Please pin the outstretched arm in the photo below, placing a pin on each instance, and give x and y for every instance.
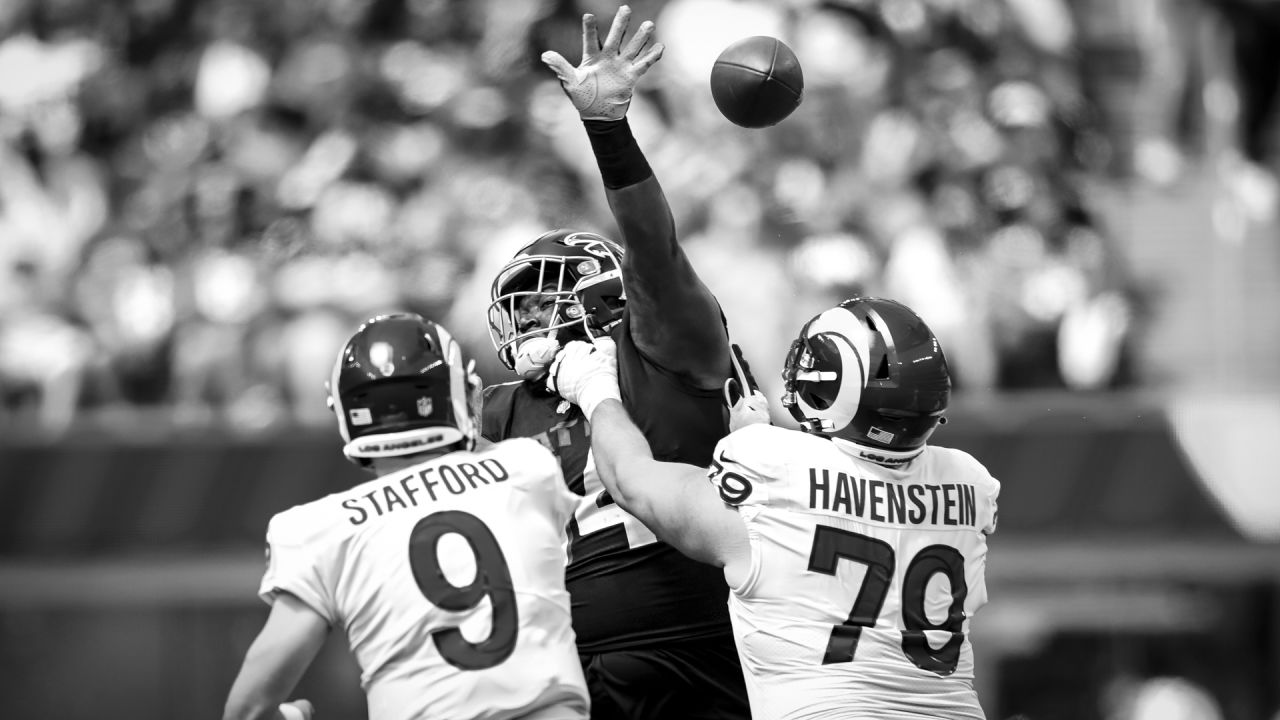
(675, 320)
(674, 500)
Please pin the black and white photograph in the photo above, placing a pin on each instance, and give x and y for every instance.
(640, 359)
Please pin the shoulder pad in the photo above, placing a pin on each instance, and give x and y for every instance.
(976, 473)
(747, 460)
(964, 462)
(294, 563)
(294, 527)
(495, 410)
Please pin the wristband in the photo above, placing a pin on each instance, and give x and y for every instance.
(619, 157)
(597, 392)
(291, 712)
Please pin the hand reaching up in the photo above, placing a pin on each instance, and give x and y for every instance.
(602, 84)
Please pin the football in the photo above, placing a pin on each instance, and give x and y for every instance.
(757, 81)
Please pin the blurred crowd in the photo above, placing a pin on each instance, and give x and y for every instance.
(200, 198)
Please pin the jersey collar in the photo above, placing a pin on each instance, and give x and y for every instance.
(879, 456)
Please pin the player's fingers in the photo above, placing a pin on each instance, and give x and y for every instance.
(619, 28)
(561, 67)
(637, 43)
(649, 43)
(648, 58)
(590, 37)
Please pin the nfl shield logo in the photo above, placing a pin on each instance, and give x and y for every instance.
(424, 406)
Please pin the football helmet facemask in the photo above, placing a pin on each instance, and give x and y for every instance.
(869, 372)
(402, 385)
(580, 272)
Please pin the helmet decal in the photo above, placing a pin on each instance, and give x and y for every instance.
(589, 242)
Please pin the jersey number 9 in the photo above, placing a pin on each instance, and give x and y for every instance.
(492, 580)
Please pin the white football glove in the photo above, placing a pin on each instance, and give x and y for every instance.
(584, 375)
(602, 84)
(534, 355)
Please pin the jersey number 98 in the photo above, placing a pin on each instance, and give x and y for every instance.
(492, 580)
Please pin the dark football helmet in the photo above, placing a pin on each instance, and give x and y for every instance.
(581, 272)
(402, 385)
(871, 372)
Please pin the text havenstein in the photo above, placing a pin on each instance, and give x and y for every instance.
(890, 502)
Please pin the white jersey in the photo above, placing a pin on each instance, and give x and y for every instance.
(863, 578)
(448, 579)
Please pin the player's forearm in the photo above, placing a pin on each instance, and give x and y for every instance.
(252, 708)
(621, 453)
(261, 704)
(635, 197)
(256, 693)
(276, 660)
(250, 698)
(655, 267)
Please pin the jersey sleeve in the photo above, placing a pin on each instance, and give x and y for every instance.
(294, 566)
(746, 464)
(993, 494)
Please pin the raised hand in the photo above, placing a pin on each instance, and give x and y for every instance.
(602, 84)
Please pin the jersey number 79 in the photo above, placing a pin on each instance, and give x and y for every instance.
(830, 545)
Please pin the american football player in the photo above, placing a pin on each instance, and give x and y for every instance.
(446, 571)
(652, 625)
(855, 551)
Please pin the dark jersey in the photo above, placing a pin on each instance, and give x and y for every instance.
(628, 589)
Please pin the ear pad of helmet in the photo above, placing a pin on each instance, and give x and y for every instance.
(835, 379)
(829, 367)
(823, 387)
